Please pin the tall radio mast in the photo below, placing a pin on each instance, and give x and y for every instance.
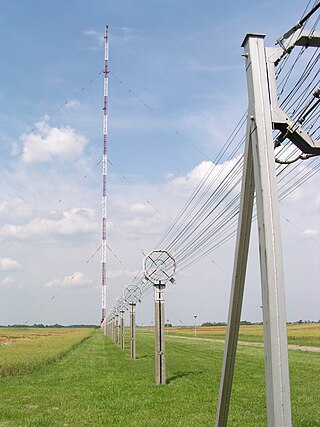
(104, 177)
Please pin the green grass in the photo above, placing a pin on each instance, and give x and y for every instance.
(97, 384)
(303, 335)
(23, 350)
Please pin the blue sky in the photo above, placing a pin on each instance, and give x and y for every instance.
(181, 58)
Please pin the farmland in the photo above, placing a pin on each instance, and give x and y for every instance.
(24, 349)
(298, 334)
(97, 384)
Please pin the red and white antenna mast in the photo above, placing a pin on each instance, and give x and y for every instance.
(104, 178)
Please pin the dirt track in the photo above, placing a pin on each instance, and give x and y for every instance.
(249, 344)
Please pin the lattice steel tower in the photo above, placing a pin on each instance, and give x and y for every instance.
(104, 179)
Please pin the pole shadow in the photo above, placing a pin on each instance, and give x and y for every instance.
(180, 375)
(143, 357)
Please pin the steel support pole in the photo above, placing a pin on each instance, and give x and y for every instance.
(237, 287)
(133, 330)
(259, 172)
(117, 329)
(160, 367)
(271, 263)
(112, 329)
(121, 330)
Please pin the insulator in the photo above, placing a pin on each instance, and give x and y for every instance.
(316, 93)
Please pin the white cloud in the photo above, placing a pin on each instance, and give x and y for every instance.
(7, 282)
(75, 281)
(95, 35)
(7, 264)
(15, 209)
(46, 143)
(289, 153)
(143, 219)
(191, 179)
(187, 183)
(311, 232)
(15, 149)
(76, 221)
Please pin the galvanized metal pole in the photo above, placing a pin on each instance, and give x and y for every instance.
(117, 329)
(160, 367)
(112, 329)
(121, 329)
(133, 330)
(271, 263)
(105, 324)
(159, 268)
(259, 171)
(238, 279)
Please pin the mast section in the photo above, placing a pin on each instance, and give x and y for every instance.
(104, 178)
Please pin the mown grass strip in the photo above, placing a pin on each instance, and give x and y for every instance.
(98, 385)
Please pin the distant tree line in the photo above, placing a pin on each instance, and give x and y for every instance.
(167, 325)
(41, 325)
(243, 322)
(213, 324)
(246, 322)
(304, 321)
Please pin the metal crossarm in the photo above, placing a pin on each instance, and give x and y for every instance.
(290, 129)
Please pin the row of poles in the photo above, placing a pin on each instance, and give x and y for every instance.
(114, 329)
(159, 268)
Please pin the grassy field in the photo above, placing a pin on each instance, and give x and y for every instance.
(298, 334)
(24, 349)
(96, 384)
